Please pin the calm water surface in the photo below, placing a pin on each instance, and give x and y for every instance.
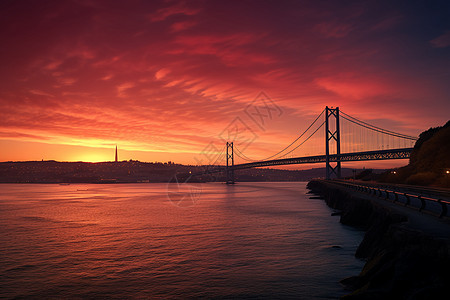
(250, 240)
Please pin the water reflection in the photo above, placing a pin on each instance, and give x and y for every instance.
(128, 240)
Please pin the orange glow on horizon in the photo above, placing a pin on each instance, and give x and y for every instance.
(92, 158)
(168, 84)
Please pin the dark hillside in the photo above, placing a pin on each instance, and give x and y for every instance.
(430, 160)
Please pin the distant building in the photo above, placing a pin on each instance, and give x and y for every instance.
(117, 157)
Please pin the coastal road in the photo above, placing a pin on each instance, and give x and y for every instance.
(426, 220)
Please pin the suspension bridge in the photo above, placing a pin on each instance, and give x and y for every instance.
(346, 139)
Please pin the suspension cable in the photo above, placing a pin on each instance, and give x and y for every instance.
(379, 128)
(239, 153)
(276, 154)
(242, 155)
(347, 117)
(306, 138)
(219, 156)
(391, 133)
(375, 128)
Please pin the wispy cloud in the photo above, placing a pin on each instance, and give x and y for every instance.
(441, 41)
(170, 75)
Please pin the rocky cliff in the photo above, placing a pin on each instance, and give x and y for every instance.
(401, 262)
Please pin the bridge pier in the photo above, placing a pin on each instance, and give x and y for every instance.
(332, 135)
(230, 164)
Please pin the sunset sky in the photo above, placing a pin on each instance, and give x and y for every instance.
(163, 80)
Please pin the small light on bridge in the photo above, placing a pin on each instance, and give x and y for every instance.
(448, 171)
(394, 172)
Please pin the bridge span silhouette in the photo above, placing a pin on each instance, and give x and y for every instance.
(361, 139)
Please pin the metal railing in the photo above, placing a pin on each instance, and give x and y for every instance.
(423, 202)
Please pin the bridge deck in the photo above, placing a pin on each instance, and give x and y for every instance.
(401, 153)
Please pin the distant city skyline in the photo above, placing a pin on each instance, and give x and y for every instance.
(166, 80)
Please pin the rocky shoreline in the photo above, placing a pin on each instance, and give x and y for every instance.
(401, 262)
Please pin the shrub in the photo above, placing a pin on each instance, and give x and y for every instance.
(423, 178)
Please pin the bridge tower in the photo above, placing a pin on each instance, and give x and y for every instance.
(332, 134)
(230, 164)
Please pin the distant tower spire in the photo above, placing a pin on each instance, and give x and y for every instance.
(116, 154)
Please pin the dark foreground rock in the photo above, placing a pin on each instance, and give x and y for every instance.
(401, 262)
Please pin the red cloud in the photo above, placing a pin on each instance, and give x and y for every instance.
(180, 8)
(171, 77)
